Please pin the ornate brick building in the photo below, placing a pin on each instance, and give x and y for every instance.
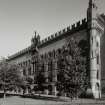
(42, 55)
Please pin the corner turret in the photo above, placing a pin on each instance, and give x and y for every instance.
(95, 31)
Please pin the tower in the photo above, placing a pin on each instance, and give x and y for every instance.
(95, 29)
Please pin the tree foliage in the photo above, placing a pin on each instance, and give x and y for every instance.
(10, 75)
(40, 82)
(72, 76)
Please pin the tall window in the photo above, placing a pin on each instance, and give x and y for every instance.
(42, 68)
(29, 71)
(92, 54)
(97, 74)
(97, 59)
(97, 44)
(92, 40)
(24, 72)
(50, 70)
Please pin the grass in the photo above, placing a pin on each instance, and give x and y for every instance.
(17, 100)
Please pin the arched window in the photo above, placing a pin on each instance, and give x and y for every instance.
(97, 44)
(29, 71)
(92, 40)
(24, 72)
(42, 68)
(50, 71)
(97, 59)
(26, 63)
(29, 62)
(97, 87)
(97, 74)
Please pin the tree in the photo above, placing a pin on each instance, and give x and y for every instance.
(40, 80)
(10, 76)
(75, 79)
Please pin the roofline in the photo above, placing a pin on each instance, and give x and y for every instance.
(78, 26)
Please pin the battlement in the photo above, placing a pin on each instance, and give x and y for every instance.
(77, 26)
(21, 52)
(71, 28)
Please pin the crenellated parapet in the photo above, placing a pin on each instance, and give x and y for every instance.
(70, 29)
(78, 26)
(20, 53)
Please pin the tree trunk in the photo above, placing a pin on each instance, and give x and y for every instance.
(4, 97)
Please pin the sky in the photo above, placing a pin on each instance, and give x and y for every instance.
(20, 18)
